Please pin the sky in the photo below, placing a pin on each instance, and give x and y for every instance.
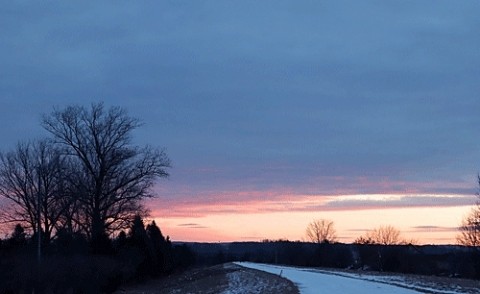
(274, 113)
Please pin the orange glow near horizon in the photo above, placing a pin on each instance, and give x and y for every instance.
(287, 218)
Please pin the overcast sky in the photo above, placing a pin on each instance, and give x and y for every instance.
(304, 97)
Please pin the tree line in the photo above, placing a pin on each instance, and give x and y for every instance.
(76, 199)
(68, 265)
(87, 177)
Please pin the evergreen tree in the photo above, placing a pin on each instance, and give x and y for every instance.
(140, 247)
(18, 237)
(162, 249)
(121, 240)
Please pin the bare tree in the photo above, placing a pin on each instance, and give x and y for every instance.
(470, 228)
(384, 235)
(321, 231)
(114, 176)
(31, 178)
(364, 240)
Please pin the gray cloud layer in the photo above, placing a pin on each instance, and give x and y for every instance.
(262, 94)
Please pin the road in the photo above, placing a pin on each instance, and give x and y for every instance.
(312, 282)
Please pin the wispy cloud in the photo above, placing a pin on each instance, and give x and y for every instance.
(273, 202)
(434, 228)
(192, 226)
(398, 201)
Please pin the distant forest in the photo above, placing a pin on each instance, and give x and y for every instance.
(439, 260)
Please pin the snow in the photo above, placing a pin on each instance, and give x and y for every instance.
(311, 281)
(392, 280)
(397, 281)
(242, 281)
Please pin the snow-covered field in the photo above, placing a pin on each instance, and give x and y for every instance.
(316, 281)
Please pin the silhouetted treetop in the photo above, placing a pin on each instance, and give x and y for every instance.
(114, 175)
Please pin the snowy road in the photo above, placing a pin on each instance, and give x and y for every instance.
(310, 282)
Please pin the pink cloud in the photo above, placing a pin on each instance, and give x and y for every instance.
(273, 201)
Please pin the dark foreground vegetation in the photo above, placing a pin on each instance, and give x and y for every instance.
(449, 260)
(69, 264)
(74, 193)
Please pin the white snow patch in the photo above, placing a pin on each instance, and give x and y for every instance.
(389, 279)
(313, 282)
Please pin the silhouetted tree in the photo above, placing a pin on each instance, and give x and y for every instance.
(470, 228)
(114, 175)
(470, 236)
(162, 250)
(321, 231)
(138, 234)
(364, 240)
(140, 248)
(32, 179)
(383, 235)
(121, 239)
(18, 236)
(68, 243)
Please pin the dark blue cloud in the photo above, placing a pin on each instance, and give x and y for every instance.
(268, 94)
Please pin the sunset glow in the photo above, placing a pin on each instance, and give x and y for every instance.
(271, 113)
(427, 219)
